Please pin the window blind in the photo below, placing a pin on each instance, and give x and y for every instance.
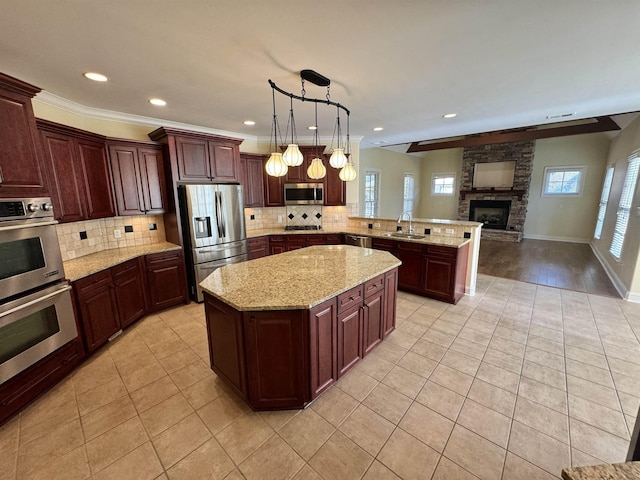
(409, 184)
(624, 207)
(604, 199)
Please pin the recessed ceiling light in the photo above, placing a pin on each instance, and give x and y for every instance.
(381, 142)
(312, 127)
(157, 102)
(378, 129)
(561, 115)
(96, 77)
(449, 115)
(249, 122)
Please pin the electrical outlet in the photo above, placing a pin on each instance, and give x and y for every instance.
(117, 233)
(436, 230)
(450, 230)
(279, 218)
(336, 217)
(376, 225)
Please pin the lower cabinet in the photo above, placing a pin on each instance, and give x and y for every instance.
(258, 247)
(113, 299)
(285, 359)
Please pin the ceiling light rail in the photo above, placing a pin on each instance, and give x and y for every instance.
(278, 163)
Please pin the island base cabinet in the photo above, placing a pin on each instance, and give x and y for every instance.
(276, 359)
(390, 297)
(372, 322)
(349, 339)
(323, 340)
(226, 342)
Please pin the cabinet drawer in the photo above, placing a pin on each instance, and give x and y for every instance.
(173, 257)
(257, 242)
(382, 244)
(350, 298)
(97, 280)
(334, 239)
(441, 251)
(277, 238)
(124, 268)
(410, 247)
(373, 286)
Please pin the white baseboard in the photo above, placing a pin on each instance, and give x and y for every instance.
(633, 297)
(617, 283)
(557, 239)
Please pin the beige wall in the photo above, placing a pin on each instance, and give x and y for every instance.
(561, 218)
(440, 161)
(626, 271)
(392, 167)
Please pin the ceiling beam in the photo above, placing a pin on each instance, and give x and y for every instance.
(601, 124)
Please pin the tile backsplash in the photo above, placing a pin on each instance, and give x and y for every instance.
(78, 239)
(280, 217)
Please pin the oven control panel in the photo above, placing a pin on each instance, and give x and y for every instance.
(25, 208)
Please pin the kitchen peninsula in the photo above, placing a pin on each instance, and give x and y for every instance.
(282, 329)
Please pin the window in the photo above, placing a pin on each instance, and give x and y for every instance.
(443, 183)
(563, 181)
(624, 207)
(409, 192)
(604, 199)
(371, 193)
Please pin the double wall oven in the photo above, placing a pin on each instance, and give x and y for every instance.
(36, 313)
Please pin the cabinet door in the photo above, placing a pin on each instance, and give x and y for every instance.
(335, 190)
(126, 179)
(410, 272)
(225, 162)
(349, 344)
(277, 361)
(294, 242)
(252, 181)
(166, 279)
(98, 309)
(323, 352)
(67, 193)
(258, 247)
(372, 322)
(130, 289)
(273, 189)
(20, 171)
(439, 278)
(193, 159)
(152, 180)
(95, 171)
(390, 294)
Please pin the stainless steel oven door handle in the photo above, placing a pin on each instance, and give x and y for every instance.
(24, 225)
(35, 301)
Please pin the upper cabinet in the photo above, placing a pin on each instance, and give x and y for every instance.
(78, 172)
(198, 157)
(251, 168)
(138, 177)
(21, 171)
(299, 174)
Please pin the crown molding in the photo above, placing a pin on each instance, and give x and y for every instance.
(109, 115)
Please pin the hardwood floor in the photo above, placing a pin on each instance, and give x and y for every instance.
(570, 266)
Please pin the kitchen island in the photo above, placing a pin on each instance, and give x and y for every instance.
(282, 329)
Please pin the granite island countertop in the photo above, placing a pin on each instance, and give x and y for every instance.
(615, 471)
(367, 232)
(96, 262)
(296, 280)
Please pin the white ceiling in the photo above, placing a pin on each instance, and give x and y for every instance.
(398, 64)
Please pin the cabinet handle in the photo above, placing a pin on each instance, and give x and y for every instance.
(351, 298)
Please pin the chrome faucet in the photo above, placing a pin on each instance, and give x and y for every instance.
(401, 217)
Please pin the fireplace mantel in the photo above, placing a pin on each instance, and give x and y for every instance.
(493, 191)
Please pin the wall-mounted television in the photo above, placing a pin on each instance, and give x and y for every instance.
(494, 174)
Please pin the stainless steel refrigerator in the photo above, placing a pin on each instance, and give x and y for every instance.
(213, 230)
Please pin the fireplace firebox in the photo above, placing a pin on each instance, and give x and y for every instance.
(493, 214)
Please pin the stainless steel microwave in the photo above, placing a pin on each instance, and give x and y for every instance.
(303, 193)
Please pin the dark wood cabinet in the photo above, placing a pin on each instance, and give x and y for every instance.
(21, 163)
(323, 344)
(130, 290)
(78, 171)
(349, 339)
(252, 181)
(410, 272)
(277, 358)
(273, 189)
(277, 244)
(166, 279)
(373, 320)
(335, 190)
(390, 294)
(98, 308)
(258, 247)
(138, 178)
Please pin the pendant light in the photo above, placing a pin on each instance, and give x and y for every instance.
(292, 155)
(338, 158)
(275, 166)
(348, 172)
(316, 170)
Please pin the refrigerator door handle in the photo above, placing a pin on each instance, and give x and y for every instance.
(219, 219)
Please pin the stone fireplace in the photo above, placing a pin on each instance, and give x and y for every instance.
(516, 197)
(493, 214)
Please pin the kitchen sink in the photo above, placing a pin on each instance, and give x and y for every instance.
(410, 236)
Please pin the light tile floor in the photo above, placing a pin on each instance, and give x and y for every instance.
(516, 382)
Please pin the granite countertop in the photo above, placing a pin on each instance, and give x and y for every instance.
(442, 221)
(367, 232)
(296, 280)
(616, 471)
(96, 262)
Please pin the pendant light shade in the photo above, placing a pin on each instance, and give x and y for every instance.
(338, 158)
(317, 169)
(292, 156)
(348, 173)
(275, 165)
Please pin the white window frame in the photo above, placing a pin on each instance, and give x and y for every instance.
(604, 200)
(624, 206)
(582, 169)
(376, 193)
(443, 175)
(408, 197)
